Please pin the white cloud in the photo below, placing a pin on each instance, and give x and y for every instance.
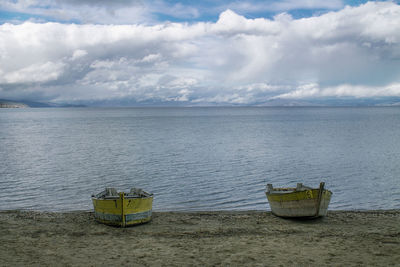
(353, 52)
(36, 73)
(343, 90)
(151, 58)
(78, 54)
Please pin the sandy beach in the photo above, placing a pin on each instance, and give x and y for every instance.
(251, 238)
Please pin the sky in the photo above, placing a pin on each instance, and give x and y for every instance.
(191, 53)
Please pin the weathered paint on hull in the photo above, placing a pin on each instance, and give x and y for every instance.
(123, 211)
(299, 204)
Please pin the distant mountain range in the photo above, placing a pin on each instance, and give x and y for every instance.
(334, 102)
(6, 103)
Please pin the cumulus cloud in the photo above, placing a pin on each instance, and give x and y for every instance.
(353, 52)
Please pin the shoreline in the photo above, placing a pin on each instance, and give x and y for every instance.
(202, 238)
(192, 212)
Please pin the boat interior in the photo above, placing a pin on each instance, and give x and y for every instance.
(299, 187)
(111, 193)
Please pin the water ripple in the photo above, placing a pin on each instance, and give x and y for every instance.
(198, 158)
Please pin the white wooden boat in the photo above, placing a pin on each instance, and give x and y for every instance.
(301, 201)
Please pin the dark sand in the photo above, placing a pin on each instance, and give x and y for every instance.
(343, 238)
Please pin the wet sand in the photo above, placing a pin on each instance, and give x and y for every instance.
(251, 238)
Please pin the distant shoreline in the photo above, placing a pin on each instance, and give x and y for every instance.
(6, 103)
(12, 105)
(22, 105)
(228, 238)
(9, 103)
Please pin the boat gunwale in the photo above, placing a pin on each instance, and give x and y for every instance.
(125, 197)
(282, 191)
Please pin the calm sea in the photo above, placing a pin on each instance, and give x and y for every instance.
(198, 158)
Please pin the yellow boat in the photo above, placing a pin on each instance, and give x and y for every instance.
(122, 209)
(302, 201)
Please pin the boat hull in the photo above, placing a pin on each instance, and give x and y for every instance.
(123, 211)
(308, 203)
